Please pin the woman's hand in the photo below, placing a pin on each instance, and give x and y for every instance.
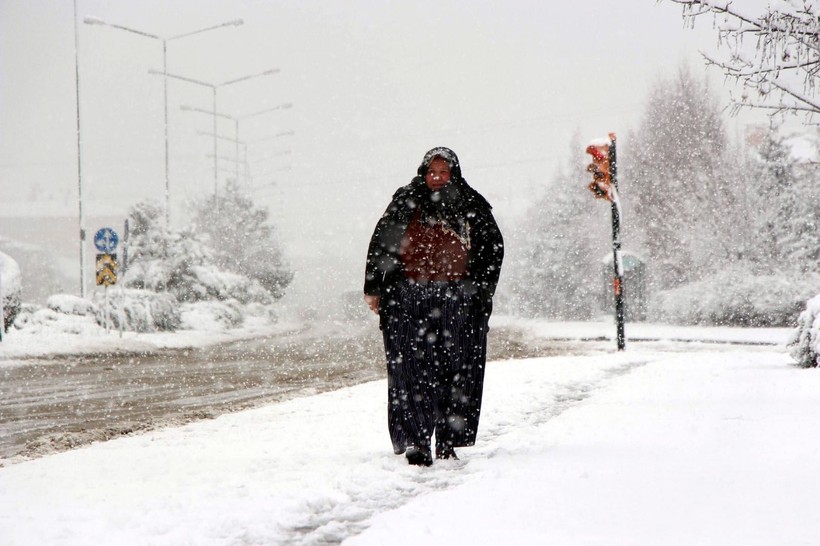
(372, 302)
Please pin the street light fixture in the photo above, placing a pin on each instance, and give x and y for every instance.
(274, 156)
(236, 142)
(236, 120)
(164, 40)
(291, 132)
(213, 87)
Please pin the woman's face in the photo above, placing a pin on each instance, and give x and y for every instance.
(438, 174)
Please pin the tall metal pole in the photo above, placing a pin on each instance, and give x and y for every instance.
(616, 246)
(216, 160)
(165, 102)
(79, 153)
(236, 148)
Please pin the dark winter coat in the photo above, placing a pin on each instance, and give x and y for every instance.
(384, 269)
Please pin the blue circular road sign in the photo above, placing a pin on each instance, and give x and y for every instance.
(106, 240)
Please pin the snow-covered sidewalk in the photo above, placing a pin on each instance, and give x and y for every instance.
(624, 448)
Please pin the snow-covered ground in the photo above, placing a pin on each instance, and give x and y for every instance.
(665, 443)
(77, 334)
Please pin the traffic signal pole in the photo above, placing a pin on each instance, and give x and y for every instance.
(604, 185)
(617, 283)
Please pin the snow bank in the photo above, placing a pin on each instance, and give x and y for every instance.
(735, 298)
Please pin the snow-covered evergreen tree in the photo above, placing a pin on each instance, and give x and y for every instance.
(787, 205)
(681, 185)
(162, 260)
(182, 263)
(241, 239)
(560, 242)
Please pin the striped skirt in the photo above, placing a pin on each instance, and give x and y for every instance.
(435, 341)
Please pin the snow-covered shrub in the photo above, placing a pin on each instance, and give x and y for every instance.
(183, 264)
(805, 342)
(27, 311)
(138, 310)
(213, 283)
(266, 313)
(36, 319)
(10, 288)
(211, 315)
(71, 305)
(241, 238)
(734, 297)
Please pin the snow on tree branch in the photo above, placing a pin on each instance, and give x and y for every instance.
(780, 70)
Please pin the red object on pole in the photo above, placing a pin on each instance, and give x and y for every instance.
(601, 185)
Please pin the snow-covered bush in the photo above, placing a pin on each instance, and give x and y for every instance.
(241, 239)
(137, 310)
(211, 315)
(36, 319)
(735, 297)
(213, 283)
(10, 288)
(805, 342)
(71, 305)
(183, 264)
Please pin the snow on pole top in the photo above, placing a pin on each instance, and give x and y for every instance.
(602, 141)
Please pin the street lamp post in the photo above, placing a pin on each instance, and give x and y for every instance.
(236, 120)
(79, 153)
(213, 87)
(236, 142)
(164, 40)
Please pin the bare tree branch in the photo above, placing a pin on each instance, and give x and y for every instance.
(786, 56)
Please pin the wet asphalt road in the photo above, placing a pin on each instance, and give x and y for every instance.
(50, 405)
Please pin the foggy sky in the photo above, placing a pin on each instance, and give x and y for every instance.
(374, 85)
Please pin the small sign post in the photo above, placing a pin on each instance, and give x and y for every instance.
(106, 241)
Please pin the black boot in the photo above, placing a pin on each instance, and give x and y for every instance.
(419, 456)
(446, 452)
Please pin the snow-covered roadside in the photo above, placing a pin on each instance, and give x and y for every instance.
(604, 328)
(638, 447)
(72, 334)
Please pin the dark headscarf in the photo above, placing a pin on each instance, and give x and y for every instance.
(447, 155)
(448, 205)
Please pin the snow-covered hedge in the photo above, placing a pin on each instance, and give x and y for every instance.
(214, 283)
(737, 298)
(45, 320)
(212, 315)
(805, 342)
(137, 310)
(71, 305)
(194, 265)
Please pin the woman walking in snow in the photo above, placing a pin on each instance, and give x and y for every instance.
(432, 267)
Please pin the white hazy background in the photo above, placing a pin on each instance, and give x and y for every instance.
(374, 85)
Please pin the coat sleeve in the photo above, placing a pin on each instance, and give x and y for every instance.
(383, 262)
(486, 258)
